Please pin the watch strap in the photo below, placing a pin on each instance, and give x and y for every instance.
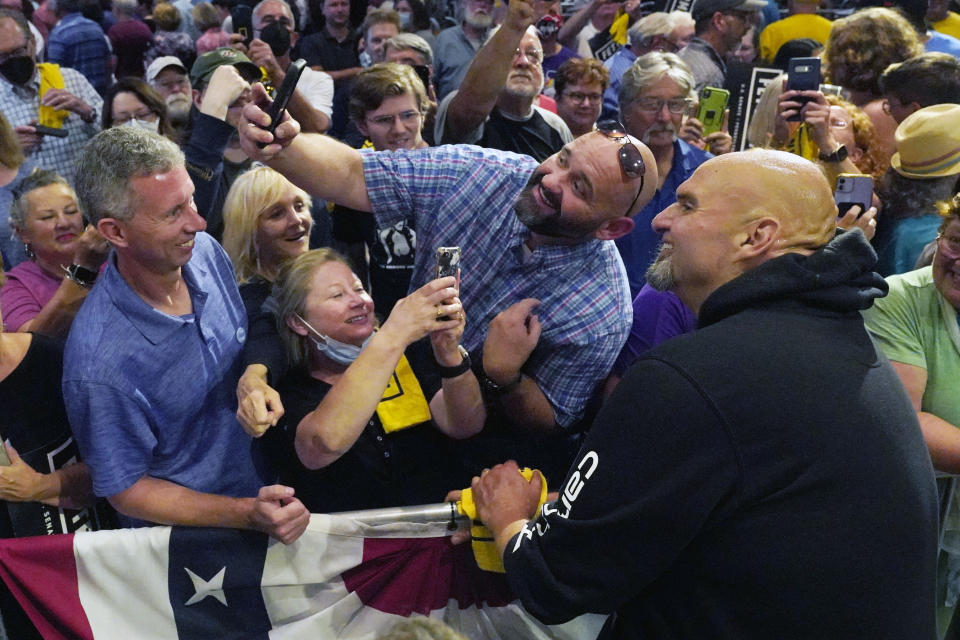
(456, 370)
(839, 155)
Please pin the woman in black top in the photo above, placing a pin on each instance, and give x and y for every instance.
(369, 414)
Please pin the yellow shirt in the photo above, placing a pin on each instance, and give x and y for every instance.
(802, 25)
(949, 25)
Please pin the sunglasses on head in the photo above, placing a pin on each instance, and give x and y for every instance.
(631, 160)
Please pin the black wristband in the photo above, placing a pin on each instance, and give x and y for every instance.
(81, 275)
(456, 370)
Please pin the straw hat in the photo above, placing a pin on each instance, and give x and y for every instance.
(928, 143)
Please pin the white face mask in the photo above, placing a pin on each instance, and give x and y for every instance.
(146, 125)
(339, 352)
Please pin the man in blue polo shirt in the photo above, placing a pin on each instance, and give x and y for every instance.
(151, 363)
(655, 93)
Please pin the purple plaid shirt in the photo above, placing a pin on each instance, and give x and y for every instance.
(464, 195)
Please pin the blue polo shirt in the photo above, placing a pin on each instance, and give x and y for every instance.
(639, 247)
(150, 394)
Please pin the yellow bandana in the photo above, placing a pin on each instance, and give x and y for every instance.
(403, 404)
(50, 78)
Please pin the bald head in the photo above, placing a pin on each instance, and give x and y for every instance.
(787, 188)
(586, 191)
(736, 212)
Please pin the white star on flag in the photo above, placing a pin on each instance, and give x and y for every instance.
(204, 588)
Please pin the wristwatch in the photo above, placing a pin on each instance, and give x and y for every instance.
(81, 275)
(837, 156)
(492, 388)
(456, 370)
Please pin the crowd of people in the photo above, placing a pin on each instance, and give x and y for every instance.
(228, 327)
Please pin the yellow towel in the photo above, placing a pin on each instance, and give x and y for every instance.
(618, 30)
(484, 547)
(50, 78)
(403, 404)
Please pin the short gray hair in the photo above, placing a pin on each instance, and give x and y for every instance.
(421, 628)
(412, 42)
(256, 9)
(648, 69)
(648, 27)
(37, 180)
(108, 162)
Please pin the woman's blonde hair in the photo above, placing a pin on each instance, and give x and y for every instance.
(290, 291)
(251, 195)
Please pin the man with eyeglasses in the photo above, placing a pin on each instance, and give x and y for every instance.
(494, 106)
(720, 25)
(73, 109)
(387, 105)
(549, 301)
(763, 477)
(655, 95)
(658, 31)
(580, 84)
(168, 75)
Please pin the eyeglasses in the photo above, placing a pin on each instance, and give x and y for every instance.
(386, 121)
(123, 118)
(173, 83)
(534, 56)
(580, 98)
(948, 246)
(654, 105)
(631, 160)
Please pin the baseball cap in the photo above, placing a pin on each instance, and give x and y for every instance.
(162, 63)
(705, 8)
(206, 64)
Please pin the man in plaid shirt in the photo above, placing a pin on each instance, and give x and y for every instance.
(545, 291)
(20, 99)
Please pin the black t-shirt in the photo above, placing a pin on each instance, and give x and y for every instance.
(533, 137)
(33, 419)
(324, 50)
(392, 251)
(407, 467)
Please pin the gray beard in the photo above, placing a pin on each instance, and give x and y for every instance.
(478, 21)
(659, 274)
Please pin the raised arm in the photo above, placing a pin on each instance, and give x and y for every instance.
(488, 72)
(318, 164)
(328, 432)
(457, 408)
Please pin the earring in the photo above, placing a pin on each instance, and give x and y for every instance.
(27, 249)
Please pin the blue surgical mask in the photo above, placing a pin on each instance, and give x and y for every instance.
(405, 19)
(339, 352)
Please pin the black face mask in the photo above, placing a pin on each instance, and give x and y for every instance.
(277, 36)
(18, 70)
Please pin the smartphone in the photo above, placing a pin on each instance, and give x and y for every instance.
(242, 17)
(803, 74)
(713, 103)
(448, 261)
(423, 72)
(50, 131)
(853, 189)
(285, 92)
(4, 457)
(448, 264)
